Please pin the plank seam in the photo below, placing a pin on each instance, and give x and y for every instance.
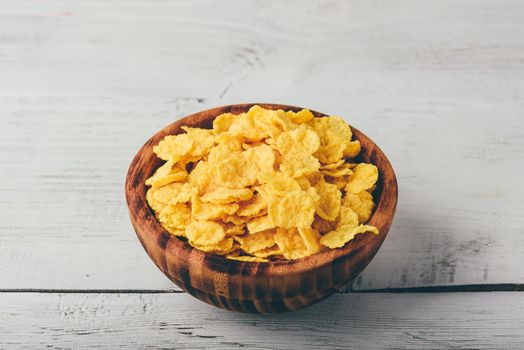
(503, 287)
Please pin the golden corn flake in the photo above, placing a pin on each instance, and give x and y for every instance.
(300, 117)
(361, 203)
(267, 252)
(333, 165)
(297, 163)
(232, 229)
(166, 174)
(329, 204)
(227, 195)
(294, 209)
(347, 217)
(224, 246)
(212, 211)
(335, 136)
(174, 147)
(260, 224)
(340, 171)
(352, 149)
(263, 185)
(204, 232)
(223, 122)
(291, 243)
(174, 193)
(311, 238)
(234, 219)
(344, 234)
(202, 139)
(363, 178)
(175, 216)
(253, 207)
(153, 203)
(300, 139)
(257, 241)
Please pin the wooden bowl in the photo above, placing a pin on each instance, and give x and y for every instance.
(266, 287)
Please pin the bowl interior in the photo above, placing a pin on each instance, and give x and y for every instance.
(148, 227)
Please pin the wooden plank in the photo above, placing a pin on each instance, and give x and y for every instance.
(437, 85)
(349, 321)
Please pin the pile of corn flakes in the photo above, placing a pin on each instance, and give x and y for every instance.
(263, 185)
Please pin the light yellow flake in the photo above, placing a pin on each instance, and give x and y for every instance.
(174, 147)
(335, 136)
(311, 238)
(244, 127)
(281, 183)
(235, 219)
(329, 204)
(344, 234)
(267, 252)
(301, 139)
(165, 174)
(254, 207)
(205, 233)
(153, 203)
(228, 142)
(332, 165)
(257, 241)
(363, 178)
(298, 163)
(291, 244)
(175, 216)
(225, 246)
(224, 195)
(347, 217)
(223, 122)
(203, 140)
(233, 229)
(352, 149)
(260, 224)
(294, 209)
(342, 170)
(361, 203)
(300, 117)
(212, 211)
(174, 193)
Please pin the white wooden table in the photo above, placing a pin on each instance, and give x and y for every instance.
(439, 85)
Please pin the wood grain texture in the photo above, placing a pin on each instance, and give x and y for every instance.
(254, 287)
(438, 85)
(344, 321)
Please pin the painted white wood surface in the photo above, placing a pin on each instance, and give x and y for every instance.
(437, 84)
(344, 321)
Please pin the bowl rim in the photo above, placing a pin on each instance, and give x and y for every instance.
(381, 217)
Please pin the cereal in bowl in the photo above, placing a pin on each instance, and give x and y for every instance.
(264, 185)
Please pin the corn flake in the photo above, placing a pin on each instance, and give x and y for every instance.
(344, 234)
(363, 178)
(227, 195)
(361, 203)
(294, 209)
(291, 243)
(205, 233)
(329, 204)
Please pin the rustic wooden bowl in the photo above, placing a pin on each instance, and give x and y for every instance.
(267, 287)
